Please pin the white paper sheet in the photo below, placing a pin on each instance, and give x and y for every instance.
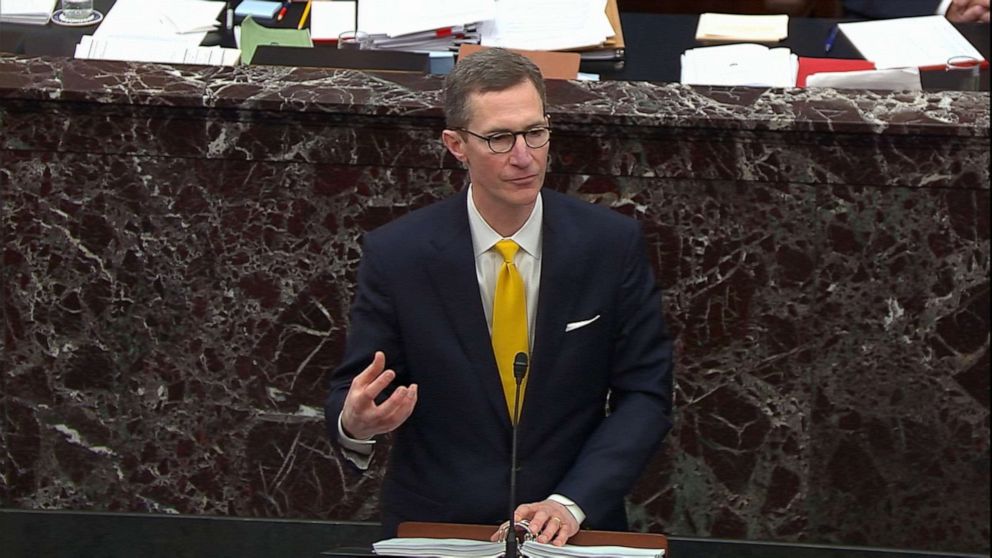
(547, 24)
(895, 79)
(329, 19)
(180, 21)
(399, 17)
(31, 12)
(910, 42)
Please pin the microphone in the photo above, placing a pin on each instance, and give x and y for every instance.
(520, 363)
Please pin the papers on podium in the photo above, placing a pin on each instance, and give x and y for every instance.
(893, 79)
(329, 19)
(910, 42)
(743, 64)
(178, 21)
(30, 12)
(166, 32)
(393, 18)
(465, 548)
(423, 25)
(151, 50)
(548, 25)
(455, 548)
(742, 28)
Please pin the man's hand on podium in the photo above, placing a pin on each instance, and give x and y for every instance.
(549, 522)
(361, 417)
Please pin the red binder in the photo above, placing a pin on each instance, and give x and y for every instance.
(809, 66)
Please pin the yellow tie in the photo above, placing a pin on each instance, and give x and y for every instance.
(509, 322)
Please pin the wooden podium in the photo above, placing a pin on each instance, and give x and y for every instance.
(483, 532)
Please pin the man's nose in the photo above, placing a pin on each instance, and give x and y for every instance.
(520, 154)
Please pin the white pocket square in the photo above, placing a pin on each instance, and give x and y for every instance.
(576, 325)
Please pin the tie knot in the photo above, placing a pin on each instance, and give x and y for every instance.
(507, 248)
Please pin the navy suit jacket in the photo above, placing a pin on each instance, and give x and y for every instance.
(599, 397)
(887, 9)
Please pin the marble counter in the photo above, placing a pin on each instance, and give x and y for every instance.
(179, 247)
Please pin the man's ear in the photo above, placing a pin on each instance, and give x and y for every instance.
(455, 144)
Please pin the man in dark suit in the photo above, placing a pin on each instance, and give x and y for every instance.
(958, 11)
(597, 399)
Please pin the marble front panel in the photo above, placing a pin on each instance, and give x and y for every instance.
(179, 249)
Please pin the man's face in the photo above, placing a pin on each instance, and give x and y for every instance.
(502, 183)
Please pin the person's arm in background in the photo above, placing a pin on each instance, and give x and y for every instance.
(958, 11)
(961, 11)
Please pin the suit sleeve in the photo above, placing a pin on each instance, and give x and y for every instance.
(640, 402)
(886, 9)
(372, 327)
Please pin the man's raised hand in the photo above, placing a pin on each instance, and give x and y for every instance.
(362, 418)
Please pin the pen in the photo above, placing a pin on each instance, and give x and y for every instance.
(282, 13)
(831, 38)
(306, 12)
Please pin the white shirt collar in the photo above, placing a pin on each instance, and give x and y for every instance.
(484, 237)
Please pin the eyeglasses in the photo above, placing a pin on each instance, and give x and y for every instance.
(503, 142)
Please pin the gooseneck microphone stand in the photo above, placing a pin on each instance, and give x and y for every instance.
(520, 363)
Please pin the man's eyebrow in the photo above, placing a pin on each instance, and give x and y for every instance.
(539, 124)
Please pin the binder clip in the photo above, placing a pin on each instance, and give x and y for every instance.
(521, 531)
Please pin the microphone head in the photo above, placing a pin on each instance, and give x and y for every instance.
(520, 362)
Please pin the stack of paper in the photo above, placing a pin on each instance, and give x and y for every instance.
(742, 28)
(911, 42)
(465, 548)
(166, 32)
(743, 64)
(893, 79)
(422, 24)
(164, 52)
(454, 548)
(534, 549)
(31, 12)
(179, 21)
(548, 24)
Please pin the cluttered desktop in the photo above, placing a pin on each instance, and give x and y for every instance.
(425, 36)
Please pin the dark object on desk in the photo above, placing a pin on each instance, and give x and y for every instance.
(322, 57)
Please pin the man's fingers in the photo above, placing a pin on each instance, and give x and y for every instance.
(399, 405)
(371, 372)
(562, 537)
(394, 411)
(375, 387)
(549, 521)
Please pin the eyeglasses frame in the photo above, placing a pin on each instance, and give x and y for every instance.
(488, 139)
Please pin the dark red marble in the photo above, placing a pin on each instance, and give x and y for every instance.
(179, 250)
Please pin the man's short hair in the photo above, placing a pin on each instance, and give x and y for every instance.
(494, 69)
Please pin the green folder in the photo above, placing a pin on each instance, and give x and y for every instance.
(253, 35)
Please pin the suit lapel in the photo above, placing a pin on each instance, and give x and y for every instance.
(562, 263)
(457, 288)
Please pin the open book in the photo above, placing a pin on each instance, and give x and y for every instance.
(745, 64)
(467, 548)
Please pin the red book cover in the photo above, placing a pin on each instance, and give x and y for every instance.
(808, 66)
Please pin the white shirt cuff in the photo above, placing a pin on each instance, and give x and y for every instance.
(942, 8)
(358, 452)
(571, 506)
